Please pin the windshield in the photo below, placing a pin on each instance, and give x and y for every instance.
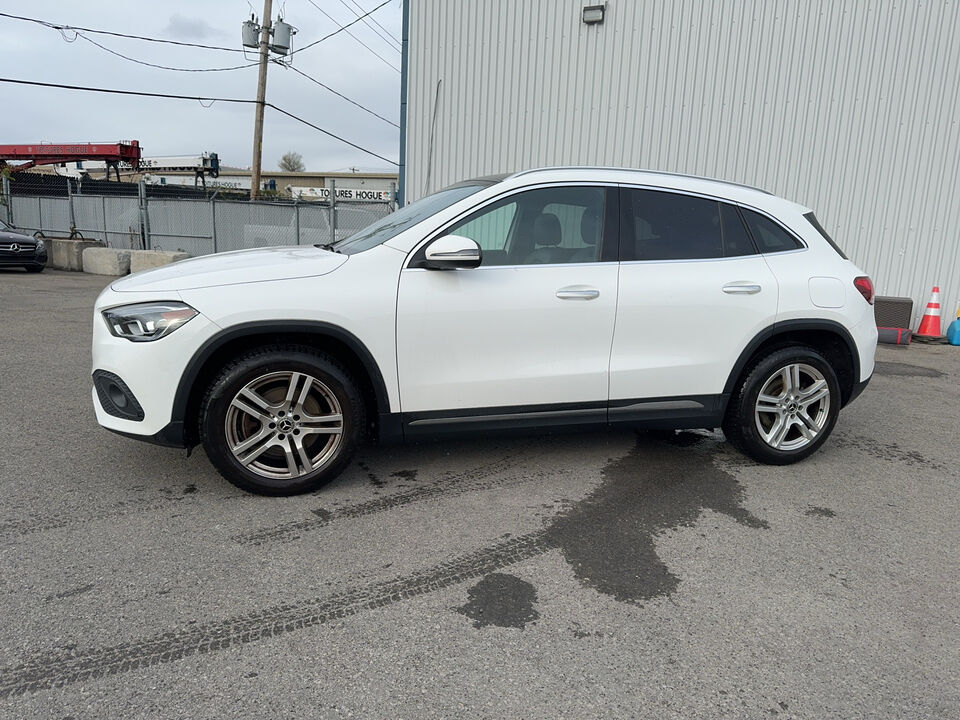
(406, 217)
(5, 226)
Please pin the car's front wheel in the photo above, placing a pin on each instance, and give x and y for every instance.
(785, 407)
(282, 420)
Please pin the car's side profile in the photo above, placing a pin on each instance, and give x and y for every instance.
(560, 297)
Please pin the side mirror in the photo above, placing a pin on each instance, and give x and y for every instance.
(451, 252)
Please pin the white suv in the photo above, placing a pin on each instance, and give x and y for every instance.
(554, 297)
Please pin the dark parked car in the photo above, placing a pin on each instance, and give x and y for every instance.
(19, 250)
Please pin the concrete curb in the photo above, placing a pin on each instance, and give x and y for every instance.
(67, 253)
(106, 261)
(146, 259)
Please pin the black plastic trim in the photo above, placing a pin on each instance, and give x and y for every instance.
(782, 328)
(312, 327)
(170, 435)
(684, 411)
(508, 417)
(132, 411)
(858, 389)
(689, 411)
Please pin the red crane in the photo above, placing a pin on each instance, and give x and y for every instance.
(52, 154)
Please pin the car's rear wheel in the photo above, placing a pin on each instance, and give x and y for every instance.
(785, 407)
(282, 420)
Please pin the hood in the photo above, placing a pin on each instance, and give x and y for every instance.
(232, 268)
(19, 238)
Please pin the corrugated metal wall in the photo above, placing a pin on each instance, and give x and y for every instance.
(849, 106)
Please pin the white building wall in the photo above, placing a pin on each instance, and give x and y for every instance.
(851, 107)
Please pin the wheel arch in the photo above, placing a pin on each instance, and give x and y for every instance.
(828, 336)
(326, 337)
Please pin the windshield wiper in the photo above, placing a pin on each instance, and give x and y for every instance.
(326, 246)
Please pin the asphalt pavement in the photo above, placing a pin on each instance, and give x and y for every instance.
(588, 575)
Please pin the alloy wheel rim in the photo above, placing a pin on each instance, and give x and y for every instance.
(283, 425)
(793, 407)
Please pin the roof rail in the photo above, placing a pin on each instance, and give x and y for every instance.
(640, 170)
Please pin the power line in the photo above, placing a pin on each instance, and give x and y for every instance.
(75, 28)
(382, 34)
(375, 22)
(201, 99)
(343, 28)
(154, 65)
(339, 94)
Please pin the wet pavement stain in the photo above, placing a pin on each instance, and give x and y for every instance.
(371, 476)
(501, 600)
(905, 369)
(405, 474)
(608, 537)
(815, 511)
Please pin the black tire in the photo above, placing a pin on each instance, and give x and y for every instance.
(34, 268)
(332, 389)
(741, 422)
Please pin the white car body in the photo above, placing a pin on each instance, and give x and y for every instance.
(660, 342)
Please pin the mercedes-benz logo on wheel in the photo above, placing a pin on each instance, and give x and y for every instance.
(14, 248)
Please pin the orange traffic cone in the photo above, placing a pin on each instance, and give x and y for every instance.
(930, 325)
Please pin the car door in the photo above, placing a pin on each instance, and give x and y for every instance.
(525, 338)
(693, 292)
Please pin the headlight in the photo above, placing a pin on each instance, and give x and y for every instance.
(40, 245)
(144, 322)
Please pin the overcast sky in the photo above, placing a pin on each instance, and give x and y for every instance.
(182, 127)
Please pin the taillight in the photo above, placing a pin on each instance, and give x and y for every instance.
(865, 286)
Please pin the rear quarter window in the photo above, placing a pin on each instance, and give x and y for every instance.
(768, 235)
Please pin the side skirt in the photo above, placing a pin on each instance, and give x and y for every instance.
(700, 411)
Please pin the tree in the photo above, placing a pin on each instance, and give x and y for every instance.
(292, 162)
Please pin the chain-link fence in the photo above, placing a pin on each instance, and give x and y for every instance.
(197, 225)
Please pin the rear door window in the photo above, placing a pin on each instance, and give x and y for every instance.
(659, 225)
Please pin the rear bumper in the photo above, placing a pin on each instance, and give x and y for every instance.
(858, 389)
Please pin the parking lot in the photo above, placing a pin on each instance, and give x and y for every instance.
(598, 575)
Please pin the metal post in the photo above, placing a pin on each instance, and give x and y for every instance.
(333, 211)
(213, 221)
(393, 196)
(73, 221)
(103, 214)
(7, 200)
(144, 213)
(296, 218)
(261, 96)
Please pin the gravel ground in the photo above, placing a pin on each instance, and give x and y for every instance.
(600, 575)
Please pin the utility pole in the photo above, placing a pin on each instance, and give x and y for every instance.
(261, 97)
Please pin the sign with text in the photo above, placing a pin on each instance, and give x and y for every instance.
(347, 194)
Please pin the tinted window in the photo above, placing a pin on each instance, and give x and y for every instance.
(768, 235)
(539, 227)
(668, 226)
(736, 241)
(406, 217)
(812, 219)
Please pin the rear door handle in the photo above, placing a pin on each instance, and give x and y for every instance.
(741, 288)
(578, 292)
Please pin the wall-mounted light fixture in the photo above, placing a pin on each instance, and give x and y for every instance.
(593, 14)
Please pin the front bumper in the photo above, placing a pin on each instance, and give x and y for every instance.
(150, 370)
(34, 260)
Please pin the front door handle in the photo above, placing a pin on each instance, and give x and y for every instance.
(578, 292)
(741, 288)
